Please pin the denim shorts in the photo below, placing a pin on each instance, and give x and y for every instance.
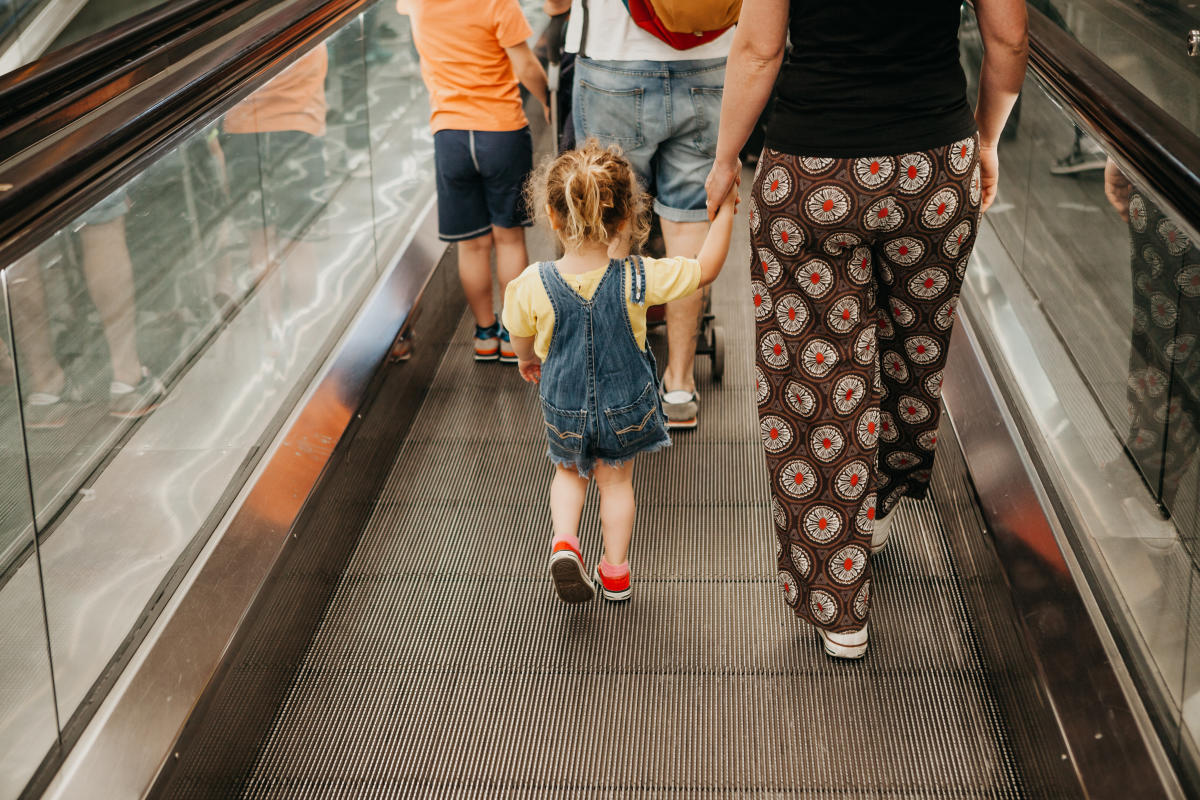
(481, 181)
(664, 116)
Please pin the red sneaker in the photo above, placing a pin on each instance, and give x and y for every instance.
(568, 573)
(614, 589)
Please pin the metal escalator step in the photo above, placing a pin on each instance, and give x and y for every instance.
(445, 667)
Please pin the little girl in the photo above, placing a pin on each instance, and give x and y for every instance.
(578, 326)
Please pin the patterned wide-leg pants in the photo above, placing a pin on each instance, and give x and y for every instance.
(1164, 358)
(856, 269)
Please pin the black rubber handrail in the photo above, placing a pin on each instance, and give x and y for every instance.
(51, 92)
(1163, 151)
(50, 183)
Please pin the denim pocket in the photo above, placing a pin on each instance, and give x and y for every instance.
(637, 422)
(613, 116)
(565, 428)
(706, 102)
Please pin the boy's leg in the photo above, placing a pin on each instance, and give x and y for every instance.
(463, 217)
(617, 509)
(475, 272)
(511, 256)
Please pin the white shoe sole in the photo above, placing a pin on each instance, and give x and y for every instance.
(681, 416)
(570, 579)
(852, 647)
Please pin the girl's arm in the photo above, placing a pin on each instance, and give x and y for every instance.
(750, 71)
(528, 364)
(1004, 27)
(716, 243)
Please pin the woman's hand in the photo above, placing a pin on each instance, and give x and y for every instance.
(989, 175)
(722, 179)
(531, 369)
(1117, 188)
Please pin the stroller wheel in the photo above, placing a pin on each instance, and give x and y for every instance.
(717, 342)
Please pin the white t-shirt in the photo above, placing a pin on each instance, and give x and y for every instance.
(614, 36)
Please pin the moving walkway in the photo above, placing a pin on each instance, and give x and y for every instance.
(312, 564)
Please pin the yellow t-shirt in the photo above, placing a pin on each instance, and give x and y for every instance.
(528, 312)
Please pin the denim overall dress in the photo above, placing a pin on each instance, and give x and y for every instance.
(598, 388)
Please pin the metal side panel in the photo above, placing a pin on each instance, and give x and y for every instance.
(134, 731)
(445, 667)
(1081, 681)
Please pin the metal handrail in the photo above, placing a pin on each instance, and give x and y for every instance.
(49, 183)
(1141, 134)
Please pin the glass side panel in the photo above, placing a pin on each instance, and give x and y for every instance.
(1146, 42)
(28, 727)
(164, 336)
(1104, 280)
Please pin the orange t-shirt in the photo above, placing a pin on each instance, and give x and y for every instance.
(294, 100)
(472, 86)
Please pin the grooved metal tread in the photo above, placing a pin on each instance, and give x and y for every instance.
(445, 667)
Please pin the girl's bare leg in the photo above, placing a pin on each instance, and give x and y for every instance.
(567, 492)
(617, 509)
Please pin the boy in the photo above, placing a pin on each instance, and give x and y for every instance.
(473, 55)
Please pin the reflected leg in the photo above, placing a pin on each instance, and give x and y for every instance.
(28, 302)
(109, 276)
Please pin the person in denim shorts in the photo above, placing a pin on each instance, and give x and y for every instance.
(661, 106)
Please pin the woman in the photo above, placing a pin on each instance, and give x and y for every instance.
(862, 217)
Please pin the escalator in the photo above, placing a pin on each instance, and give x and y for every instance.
(312, 564)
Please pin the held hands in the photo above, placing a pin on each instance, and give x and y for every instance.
(989, 175)
(1117, 188)
(721, 185)
(530, 369)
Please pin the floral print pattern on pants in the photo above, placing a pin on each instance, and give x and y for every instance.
(855, 273)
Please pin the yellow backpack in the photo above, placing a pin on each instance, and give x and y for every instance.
(696, 16)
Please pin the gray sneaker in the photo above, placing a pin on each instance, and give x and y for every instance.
(1080, 159)
(680, 407)
(133, 402)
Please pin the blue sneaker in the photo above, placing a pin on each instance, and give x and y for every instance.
(507, 354)
(487, 342)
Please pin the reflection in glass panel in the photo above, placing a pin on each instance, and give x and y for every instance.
(1146, 42)
(1115, 278)
(401, 143)
(164, 336)
(27, 722)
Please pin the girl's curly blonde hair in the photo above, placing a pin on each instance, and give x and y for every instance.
(590, 191)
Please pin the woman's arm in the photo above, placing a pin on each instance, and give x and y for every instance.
(1005, 30)
(750, 72)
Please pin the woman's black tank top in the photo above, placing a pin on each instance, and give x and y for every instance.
(868, 78)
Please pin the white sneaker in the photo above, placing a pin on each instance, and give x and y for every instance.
(881, 532)
(851, 644)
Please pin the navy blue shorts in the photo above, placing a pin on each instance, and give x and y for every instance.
(481, 181)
